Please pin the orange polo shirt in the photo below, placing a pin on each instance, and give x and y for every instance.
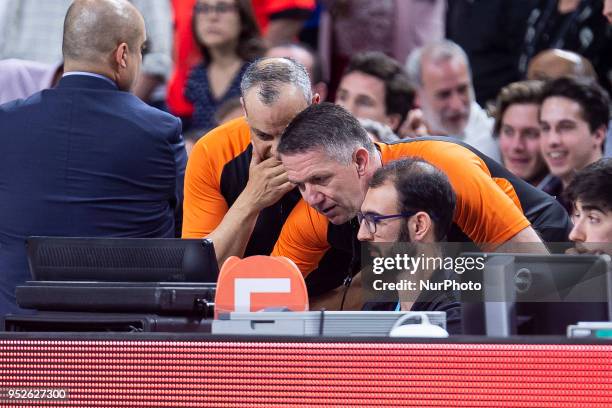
(488, 209)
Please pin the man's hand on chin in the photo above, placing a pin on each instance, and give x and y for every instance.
(267, 183)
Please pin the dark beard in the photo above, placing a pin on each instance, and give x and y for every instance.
(403, 244)
(404, 233)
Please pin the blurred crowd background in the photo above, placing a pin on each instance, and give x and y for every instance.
(470, 69)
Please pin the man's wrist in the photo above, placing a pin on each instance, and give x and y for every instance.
(246, 206)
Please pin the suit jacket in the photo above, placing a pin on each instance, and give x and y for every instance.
(84, 159)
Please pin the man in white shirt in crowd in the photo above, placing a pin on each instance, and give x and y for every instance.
(440, 73)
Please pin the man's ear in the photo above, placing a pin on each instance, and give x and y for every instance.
(121, 55)
(321, 89)
(316, 99)
(600, 136)
(361, 158)
(420, 226)
(243, 106)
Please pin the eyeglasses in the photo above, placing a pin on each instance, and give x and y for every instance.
(219, 8)
(373, 220)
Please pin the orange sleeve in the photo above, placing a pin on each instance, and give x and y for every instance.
(204, 207)
(303, 238)
(487, 211)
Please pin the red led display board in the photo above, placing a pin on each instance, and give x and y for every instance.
(266, 373)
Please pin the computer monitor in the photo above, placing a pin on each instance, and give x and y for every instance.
(122, 259)
(538, 294)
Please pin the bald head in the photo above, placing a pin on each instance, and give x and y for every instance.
(94, 28)
(555, 63)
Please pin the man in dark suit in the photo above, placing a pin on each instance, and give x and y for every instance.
(87, 158)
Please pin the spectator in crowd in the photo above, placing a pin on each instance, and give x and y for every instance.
(555, 63)
(394, 27)
(303, 54)
(228, 37)
(573, 25)
(32, 30)
(379, 132)
(20, 79)
(574, 116)
(411, 202)
(491, 33)
(375, 86)
(278, 20)
(517, 129)
(88, 158)
(330, 158)
(440, 73)
(590, 193)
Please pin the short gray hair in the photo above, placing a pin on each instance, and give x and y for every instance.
(270, 73)
(326, 127)
(438, 51)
